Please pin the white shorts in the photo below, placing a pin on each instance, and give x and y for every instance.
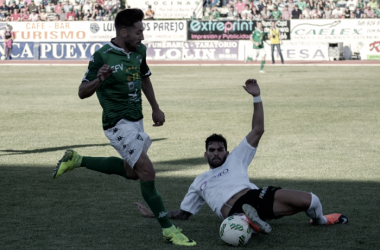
(258, 53)
(129, 140)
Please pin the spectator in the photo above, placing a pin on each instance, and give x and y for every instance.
(24, 15)
(62, 15)
(291, 5)
(358, 12)
(49, 6)
(77, 7)
(8, 41)
(275, 41)
(327, 13)
(98, 7)
(315, 14)
(41, 7)
(261, 5)
(373, 5)
(332, 5)
(87, 16)
(43, 15)
(58, 8)
(245, 12)
(301, 5)
(320, 6)
(286, 14)
(239, 6)
(360, 4)
(22, 5)
(87, 6)
(56, 18)
(276, 14)
(337, 13)
(67, 6)
(33, 16)
(265, 13)
(296, 13)
(255, 11)
(370, 13)
(70, 15)
(231, 13)
(215, 14)
(51, 15)
(80, 15)
(259, 17)
(149, 14)
(281, 5)
(351, 4)
(15, 16)
(377, 11)
(346, 12)
(32, 7)
(14, 7)
(306, 13)
(270, 6)
(4, 9)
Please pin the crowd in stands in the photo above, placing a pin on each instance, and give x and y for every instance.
(290, 9)
(57, 10)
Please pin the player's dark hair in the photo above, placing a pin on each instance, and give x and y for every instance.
(216, 138)
(127, 18)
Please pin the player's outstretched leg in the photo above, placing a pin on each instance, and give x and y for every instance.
(68, 162)
(254, 220)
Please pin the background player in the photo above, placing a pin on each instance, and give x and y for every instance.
(227, 190)
(258, 38)
(118, 72)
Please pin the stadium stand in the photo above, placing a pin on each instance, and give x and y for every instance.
(105, 10)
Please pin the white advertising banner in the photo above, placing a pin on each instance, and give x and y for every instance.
(357, 35)
(291, 51)
(167, 9)
(93, 31)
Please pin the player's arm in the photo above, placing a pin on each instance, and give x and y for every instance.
(87, 89)
(257, 131)
(178, 214)
(157, 115)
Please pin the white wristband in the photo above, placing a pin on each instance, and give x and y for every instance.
(256, 99)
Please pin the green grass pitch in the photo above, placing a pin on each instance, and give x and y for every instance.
(321, 135)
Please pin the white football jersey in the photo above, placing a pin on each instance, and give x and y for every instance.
(218, 185)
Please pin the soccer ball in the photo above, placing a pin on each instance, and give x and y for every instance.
(235, 231)
(2, 58)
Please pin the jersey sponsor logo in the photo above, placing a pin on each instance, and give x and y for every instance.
(117, 67)
(204, 184)
(162, 214)
(139, 57)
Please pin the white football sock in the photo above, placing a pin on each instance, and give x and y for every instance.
(315, 211)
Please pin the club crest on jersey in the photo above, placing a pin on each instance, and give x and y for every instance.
(139, 57)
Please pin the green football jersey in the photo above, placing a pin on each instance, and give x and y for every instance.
(276, 14)
(120, 94)
(258, 36)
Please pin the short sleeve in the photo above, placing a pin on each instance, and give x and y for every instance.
(244, 152)
(96, 62)
(192, 202)
(144, 69)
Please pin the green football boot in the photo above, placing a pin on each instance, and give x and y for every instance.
(69, 161)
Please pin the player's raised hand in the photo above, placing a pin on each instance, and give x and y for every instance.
(252, 87)
(104, 72)
(158, 117)
(144, 210)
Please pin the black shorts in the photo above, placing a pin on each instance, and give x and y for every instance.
(261, 199)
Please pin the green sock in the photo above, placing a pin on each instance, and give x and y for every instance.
(155, 203)
(262, 65)
(106, 165)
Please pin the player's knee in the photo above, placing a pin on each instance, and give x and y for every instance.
(144, 169)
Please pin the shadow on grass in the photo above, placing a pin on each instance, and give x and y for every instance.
(45, 150)
(84, 209)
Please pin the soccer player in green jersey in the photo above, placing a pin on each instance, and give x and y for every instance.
(117, 73)
(258, 38)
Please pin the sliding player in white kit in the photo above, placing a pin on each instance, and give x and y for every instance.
(227, 190)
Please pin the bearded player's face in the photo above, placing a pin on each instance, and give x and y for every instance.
(216, 154)
(133, 36)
